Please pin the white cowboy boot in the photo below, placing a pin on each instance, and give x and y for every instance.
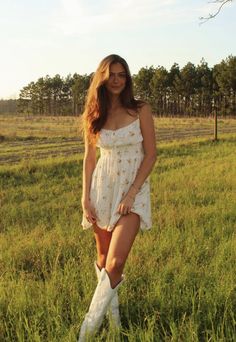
(99, 305)
(113, 310)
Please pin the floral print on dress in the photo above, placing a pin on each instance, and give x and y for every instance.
(121, 153)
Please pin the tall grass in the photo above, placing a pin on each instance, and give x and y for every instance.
(180, 276)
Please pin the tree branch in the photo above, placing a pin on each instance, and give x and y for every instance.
(213, 15)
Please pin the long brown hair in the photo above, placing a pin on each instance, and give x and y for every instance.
(97, 101)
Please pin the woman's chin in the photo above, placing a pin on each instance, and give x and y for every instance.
(115, 92)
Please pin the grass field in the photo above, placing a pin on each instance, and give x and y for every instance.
(180, 276)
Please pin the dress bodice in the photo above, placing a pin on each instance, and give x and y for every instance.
(127, 135)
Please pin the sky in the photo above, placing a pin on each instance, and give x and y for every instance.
(50, 37)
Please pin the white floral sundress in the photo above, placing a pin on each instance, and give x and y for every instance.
(121, 153)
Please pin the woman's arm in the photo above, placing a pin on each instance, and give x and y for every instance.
(89, 163)
(149, 145)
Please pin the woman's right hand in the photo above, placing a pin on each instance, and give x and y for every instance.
(89, 211)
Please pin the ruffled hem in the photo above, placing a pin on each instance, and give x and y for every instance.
(144, 224)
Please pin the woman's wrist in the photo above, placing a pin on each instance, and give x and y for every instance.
(133, 190)
(130, 196)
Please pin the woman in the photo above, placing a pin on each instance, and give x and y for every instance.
(116, 194)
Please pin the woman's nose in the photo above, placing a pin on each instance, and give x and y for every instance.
(115, 79)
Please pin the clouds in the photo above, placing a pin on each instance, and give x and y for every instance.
(81, 17)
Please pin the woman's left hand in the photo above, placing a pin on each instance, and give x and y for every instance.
(125, 205)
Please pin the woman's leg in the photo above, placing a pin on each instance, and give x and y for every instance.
(103, 238)
(118, 249)
(121, 242)
(104, 294)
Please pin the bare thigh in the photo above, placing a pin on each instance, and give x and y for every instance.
(103, 238)
(121, 242)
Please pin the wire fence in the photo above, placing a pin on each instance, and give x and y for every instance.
(40, 139)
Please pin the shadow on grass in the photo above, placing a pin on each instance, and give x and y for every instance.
(193, 148)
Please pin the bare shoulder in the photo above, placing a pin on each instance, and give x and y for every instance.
(144, 108)
(147, 129)
(145, 114)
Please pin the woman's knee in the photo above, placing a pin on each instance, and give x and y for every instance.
(116, 264)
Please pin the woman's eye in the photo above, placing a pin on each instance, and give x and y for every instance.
(118, 75)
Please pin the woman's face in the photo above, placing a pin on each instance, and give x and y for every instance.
(117, 79)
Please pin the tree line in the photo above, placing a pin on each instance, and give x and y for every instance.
(189, 91)
(55, 96)
(8, 106)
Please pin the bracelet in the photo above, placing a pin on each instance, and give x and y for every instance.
(136, 189)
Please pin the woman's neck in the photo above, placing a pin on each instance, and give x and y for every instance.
(115, 102)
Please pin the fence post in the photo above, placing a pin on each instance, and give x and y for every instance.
(215, 125)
